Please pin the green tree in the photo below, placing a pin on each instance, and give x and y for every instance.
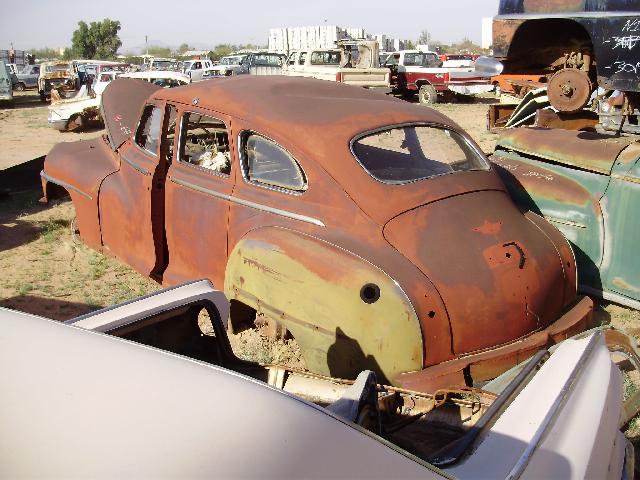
(158, 51)
(220, 51)
(424, 38)
(183, 48)
(97, 40)
(45, 53)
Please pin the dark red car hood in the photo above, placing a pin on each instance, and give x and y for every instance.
(499, 275)
(122, 102)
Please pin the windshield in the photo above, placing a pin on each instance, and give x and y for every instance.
(331, 57)
(267, 59)
(415, 152)
(231, 60)
(57, 67)
(421, 60)
(162, 64)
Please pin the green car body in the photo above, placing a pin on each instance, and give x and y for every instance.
(587, 185)
(6, 91)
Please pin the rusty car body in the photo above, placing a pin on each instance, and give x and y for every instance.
(61, 76)
(373, 230)
(588, 185)
(155, 383)
(578, 46)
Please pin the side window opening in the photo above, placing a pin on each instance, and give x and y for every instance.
(266, 163)
(302, 58)
(171, 132)
(204, 142)
(148, 134)
(325, 58)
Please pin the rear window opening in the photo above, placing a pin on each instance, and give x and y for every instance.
(414, 152)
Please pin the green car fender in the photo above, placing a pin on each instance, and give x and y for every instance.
(346, 314)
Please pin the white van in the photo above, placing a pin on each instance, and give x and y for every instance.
(195, 68)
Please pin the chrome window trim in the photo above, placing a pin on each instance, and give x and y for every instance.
(198, 167)
(462, 135)
(274, 188)
(51, 179)
(248, 203)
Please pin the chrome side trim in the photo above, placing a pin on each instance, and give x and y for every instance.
(568, 223)
(49, 178)
(137, 167)
(248, 203)
(550, 417)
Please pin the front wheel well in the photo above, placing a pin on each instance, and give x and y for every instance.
(420, 83)
(53, 191)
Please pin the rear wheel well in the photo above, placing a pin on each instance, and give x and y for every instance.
(541, 44)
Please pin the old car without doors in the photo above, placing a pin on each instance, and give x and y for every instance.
(375, 231)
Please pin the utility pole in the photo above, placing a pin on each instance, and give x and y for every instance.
(146, 47)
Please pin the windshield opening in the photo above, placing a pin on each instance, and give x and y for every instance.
(415, 152)
(267, 59)
(421, 60)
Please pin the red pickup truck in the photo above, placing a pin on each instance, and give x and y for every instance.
(418, 72)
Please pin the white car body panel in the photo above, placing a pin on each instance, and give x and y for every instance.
(77, 403)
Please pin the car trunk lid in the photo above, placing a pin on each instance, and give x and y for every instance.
(588, 151)
(122, 102)
(498, 274)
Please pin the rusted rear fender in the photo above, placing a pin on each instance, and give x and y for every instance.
(345, 313)
(80, 168)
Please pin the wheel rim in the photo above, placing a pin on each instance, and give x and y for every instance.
(569, 90)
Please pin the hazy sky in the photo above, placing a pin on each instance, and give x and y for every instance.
(45, 23)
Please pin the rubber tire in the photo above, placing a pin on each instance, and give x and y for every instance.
(43, 98)
(20, 87)
(427, 95)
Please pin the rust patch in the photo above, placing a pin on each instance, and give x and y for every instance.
(552, 6)
(489, 228)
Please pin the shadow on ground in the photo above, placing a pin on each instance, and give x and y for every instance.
(46, 307)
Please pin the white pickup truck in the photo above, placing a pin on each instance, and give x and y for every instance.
(350, 63)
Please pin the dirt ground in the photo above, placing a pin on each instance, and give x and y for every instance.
(46, 271)
(25, 133)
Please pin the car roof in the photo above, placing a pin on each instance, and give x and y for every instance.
(317, 115)
(78, 404)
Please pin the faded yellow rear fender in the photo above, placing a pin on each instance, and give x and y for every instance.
(345, 313)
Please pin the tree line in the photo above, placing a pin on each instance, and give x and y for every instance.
(100, 41)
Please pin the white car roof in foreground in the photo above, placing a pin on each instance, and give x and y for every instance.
(81, 404)
(77, 403)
